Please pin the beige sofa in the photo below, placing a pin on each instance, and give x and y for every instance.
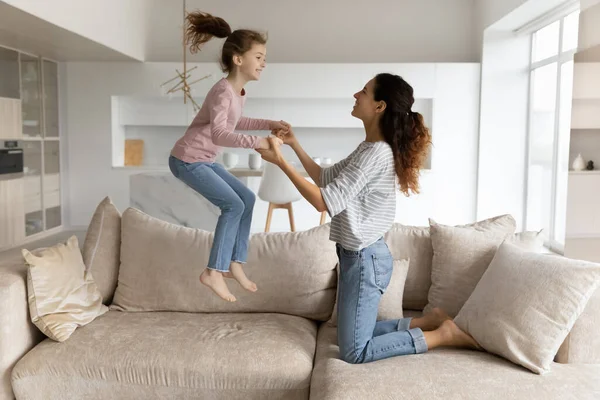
(275, 344)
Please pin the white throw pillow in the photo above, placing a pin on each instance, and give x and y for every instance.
(61, 292)
(526, 303)
(461, 255)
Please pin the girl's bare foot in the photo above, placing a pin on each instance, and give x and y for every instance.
(453, 336)
(214, 280)
(236, 271)
(431, 320)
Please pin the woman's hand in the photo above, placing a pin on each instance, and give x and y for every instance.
(264, 143)
(279, 125)
(288, 137)
(273, 153)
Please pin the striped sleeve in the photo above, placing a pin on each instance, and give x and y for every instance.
(351, 180)
(330, 173)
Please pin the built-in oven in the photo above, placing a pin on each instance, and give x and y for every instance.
(11, 161)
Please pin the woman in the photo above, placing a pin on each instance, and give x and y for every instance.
(359, 193)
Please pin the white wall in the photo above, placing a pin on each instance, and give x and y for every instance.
(504, 104)
(503, 129)
(589, 26)
(508, 15)
(448, 191)
(311, 31)
(583, 213)
(118, 24)
(491, 11)
(585, 4)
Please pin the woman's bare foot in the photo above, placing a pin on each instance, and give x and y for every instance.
(431, 320)
(236, 271)
(214, 280)
(453, 336)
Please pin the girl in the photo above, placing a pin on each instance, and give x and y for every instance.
(192, 159)
(359, 193)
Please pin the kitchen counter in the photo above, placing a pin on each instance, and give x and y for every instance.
(247, 172)
(8, 177)
(239, 172)
(161, 195)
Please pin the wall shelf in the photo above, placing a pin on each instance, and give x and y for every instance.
(589, 173)
(300, 112)
(160, 121)
(585, 113)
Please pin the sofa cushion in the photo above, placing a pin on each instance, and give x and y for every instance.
(414, 243)
(443, 374)
(161, 263)
(174, 356)
(61, 291)
(18, 334)
(390, 306)
(460, 256)
(102, 246)
(525, 305)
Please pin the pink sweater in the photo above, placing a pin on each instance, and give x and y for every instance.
(214, 125)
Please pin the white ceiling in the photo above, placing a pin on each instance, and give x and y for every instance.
(305, 31)
(329, 30)
(23, 31)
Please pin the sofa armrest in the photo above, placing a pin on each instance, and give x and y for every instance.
(17, 334)
(582, 345)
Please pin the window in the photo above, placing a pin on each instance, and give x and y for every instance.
(551, 78)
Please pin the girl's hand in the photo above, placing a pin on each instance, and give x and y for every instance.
(279, 125)
(288, 137)
(273, 154)
(265, 144)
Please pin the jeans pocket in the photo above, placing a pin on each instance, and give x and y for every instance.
(382, 271)
(349, 253)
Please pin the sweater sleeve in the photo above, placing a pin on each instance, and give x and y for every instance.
(221, 136)
(252, 124)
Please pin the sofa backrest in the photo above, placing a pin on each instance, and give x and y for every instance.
(102, 246)
(414, 243)
(161, 263)
(582, 345)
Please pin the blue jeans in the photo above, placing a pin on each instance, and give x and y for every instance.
(364, 277)
(234, 199)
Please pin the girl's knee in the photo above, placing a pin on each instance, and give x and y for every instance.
(234, 207)
(250, 199)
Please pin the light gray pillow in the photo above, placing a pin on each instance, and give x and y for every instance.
(102, 246)
(461, 255)
(161, 263)
(526, 303)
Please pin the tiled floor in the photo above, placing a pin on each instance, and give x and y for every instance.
(9, 256)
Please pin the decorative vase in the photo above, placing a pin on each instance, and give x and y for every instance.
(590, 166)
(230, 160)
(254, 161)
(579, 163)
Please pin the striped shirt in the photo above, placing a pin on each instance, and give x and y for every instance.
(360, 194)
